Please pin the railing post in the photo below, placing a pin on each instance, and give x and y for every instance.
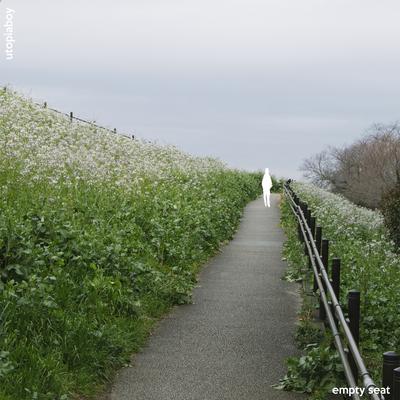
(300, 233)
(312, 226)
(308, 216)
(391, 361)
(305, 212)
(304, 207)
(325, 253)
(318, 239)
(335, 283)
(396, 384)
(324, 257)
(354, 324)
(336, 277)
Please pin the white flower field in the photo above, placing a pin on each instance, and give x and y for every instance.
(99, 236)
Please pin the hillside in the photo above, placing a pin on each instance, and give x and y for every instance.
(99, 236)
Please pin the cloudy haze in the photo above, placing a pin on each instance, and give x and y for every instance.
(255, 83)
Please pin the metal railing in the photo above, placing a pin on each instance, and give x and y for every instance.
(345, 331)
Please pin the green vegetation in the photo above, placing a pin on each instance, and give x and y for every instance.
(277, 184)
(390, 206)
(369, 264)
(99, 236)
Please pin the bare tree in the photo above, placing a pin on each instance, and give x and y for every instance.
(362, 171)
(320, 168)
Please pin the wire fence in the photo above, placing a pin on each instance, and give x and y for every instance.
(72, 118)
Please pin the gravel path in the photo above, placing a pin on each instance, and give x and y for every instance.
(231, 343)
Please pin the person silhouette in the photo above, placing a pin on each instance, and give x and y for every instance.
(266, 185)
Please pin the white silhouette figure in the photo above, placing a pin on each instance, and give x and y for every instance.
(267, 185)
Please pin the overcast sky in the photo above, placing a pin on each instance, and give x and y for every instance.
(256, 83)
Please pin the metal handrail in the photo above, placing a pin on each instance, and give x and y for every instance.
(320, 272)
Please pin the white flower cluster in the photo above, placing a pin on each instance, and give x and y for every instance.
(42, 144)
(345, 211)
(357, 230)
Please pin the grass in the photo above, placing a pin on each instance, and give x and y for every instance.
(99, 236)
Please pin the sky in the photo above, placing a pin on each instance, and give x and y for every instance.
(255, 83)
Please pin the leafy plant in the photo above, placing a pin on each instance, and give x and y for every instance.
(316, 372)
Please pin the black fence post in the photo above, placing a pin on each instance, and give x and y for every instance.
(336, 277)
(335, 281)
(312, 226)
(308, 216)
(300, 233)
(304, 207)
(71, 116)
(324, 257)
(45, 104)
(305, 213)
(354, 325)
(318, 240)
(305, 231)
(396, 384)
(325, 253)
(391, 361)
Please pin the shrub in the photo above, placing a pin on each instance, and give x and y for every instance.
(277, 184)
(390, 207)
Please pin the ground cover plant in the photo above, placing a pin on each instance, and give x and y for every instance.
(99, 236)
(369, 264)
